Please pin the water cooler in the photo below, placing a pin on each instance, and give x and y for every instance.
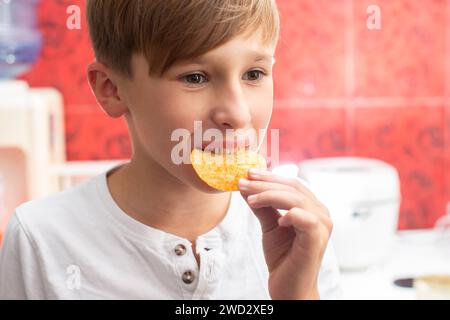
(31, 143)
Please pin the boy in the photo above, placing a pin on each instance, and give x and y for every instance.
(150, 228)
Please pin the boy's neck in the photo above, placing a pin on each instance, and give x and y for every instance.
(150, 198)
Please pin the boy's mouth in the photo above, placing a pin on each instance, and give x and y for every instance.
(228, 147)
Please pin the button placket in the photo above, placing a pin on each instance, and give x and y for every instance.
(188, 277)
(186, 267)
(209, 274)
(180, 249)
(212, 255)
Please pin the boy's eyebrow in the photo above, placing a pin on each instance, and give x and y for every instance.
(265, 57)
(258, 57)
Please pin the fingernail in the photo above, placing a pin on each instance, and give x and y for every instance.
(243, 183)
(251, 198)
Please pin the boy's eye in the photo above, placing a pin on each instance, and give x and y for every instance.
(195, 78)
(254, 75)
(198, 78)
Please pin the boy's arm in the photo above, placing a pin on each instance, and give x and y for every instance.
(20, 274)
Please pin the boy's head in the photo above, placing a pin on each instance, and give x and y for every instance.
(164, 64)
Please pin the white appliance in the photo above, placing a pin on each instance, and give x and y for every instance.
(31, 142)
(363, 197)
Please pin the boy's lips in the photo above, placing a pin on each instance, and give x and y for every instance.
(225, 145)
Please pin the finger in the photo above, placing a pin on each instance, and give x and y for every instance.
(306, 226)
(268, 217)
(280, 199)
(265, 175)
(306, 221)
(249, 187)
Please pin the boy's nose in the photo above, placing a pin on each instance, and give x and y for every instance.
(232, 111)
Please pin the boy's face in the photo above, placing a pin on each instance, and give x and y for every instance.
(230, 87)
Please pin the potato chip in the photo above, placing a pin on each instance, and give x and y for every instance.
(223, 171)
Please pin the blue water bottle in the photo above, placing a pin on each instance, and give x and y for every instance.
(20, 41)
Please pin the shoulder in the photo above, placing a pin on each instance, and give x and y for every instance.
(60, 213)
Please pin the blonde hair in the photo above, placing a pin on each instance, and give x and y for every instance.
(166, 31)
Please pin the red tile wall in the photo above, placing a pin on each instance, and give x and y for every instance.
(340, 90)
(407, 56)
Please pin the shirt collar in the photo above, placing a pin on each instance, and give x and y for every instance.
(225, 231)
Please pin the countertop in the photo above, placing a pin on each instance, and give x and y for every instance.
(414, 253)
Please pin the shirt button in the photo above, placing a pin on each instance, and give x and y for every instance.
(180, 250)
(188, 277)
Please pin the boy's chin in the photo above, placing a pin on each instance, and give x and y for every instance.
(200, 185)
(203, 187)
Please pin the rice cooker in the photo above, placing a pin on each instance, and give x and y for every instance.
(363, 198)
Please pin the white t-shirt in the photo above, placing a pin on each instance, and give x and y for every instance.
(78, 244)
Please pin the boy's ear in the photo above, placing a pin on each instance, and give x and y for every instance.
(105, 90)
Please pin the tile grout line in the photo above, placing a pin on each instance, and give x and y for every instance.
(447, 103)
(350, 76)
(361, 102)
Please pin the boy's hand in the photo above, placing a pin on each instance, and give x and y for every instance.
(294, 244)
